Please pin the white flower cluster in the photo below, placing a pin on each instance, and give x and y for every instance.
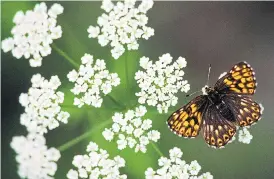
(33, 33)
(96, 165)
(123, 25)
(91, 81)
(175, 167)
(34, 158)
(161, 81)
(131, 130)
(42, 105)
(245, 136)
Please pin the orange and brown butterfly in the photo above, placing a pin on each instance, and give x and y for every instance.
(220, 109)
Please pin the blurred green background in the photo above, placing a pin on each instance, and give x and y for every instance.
(220, 33)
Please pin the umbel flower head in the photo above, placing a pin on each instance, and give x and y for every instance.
(92, 82)
(33, 33)
(122, 26)
(35, 159)
(131, 130)
(160, 82)
(176, 168)
(42, 105)
(96, 164)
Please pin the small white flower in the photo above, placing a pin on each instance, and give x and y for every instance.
(96, 165)
(181, 62)
(56, 9)
(138, 132)
(7, 44)
(131, 142)
(144, 140)
(72, 174)
(93, 31)
(175, 154)
(122, 143)
(108, 134)
(194, 168)
(42, 105)
(34, 158)
(154, 135)
(33, 33)
(92, 82)
(245, 136)
(131, 130)
(175, 167)
(148, 32)
(122, 26)
(161, 81)
(206, 175)
(140, 147)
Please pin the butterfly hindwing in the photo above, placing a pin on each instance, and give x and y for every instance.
(240, 80)
(187, 121)
(246, 111)
(217, 130)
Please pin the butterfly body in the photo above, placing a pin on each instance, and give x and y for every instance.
(216, 99)
(220, 109)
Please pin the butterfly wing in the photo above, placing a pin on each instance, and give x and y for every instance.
(245, 110)
(217, 130)
(187, 120)
(240, 80)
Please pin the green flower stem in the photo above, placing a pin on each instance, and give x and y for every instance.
(115, 101)
(157, 149)
(83, 136)
(65, 55)
(126, 71)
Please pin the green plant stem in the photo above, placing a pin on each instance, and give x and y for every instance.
(115, 101)
(83, 136)
(126, 72)
(65, 55)
(157, 149)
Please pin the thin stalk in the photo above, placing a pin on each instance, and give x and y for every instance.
(65, 55)
(83, 136)
(126, 72)
(115, 101)
(157, 149)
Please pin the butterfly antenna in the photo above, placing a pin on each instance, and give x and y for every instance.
(208, 74)
(209, 68)
(192, 93)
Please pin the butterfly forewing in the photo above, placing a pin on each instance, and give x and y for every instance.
(187, 121)
(240, 80)
(217, 130)
(245, 110)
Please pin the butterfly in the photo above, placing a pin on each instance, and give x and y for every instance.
(220, 109)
